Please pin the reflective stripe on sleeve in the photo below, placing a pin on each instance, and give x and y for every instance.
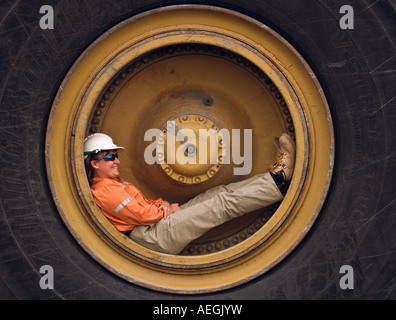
(123, 204)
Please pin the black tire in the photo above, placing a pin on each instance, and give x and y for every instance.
(356, 68)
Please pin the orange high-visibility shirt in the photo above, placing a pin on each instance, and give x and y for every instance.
(124, 204)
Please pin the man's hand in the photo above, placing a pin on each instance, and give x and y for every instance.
(167, 211)
(168, 208)
(175, 207)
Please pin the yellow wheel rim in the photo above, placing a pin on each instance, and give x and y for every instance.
(93, 97)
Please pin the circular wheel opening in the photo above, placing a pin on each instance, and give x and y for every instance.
(209, 96)
(155, 87)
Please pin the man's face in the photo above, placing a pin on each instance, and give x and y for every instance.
(106, 169)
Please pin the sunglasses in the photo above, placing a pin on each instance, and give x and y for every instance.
(110, 157)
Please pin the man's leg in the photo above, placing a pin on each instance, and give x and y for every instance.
(219, 205)
(179, 229)
(206, 195)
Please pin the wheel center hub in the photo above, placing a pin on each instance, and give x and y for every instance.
(190, 149)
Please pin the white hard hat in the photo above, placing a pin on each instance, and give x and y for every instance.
(98, 142)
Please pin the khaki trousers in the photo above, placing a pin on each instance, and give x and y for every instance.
(206, 211)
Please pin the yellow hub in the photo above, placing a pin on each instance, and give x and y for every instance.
(190, 149)
(181, 63)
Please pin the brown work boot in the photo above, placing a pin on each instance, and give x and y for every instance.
(285, 153)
